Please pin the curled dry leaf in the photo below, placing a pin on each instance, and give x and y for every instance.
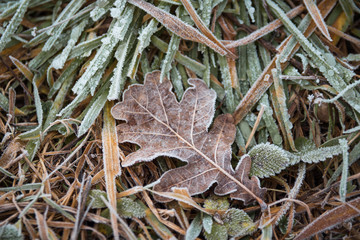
(162, 126)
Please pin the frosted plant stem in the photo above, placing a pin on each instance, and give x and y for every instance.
(294, 191)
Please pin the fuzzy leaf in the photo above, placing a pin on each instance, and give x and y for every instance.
(95, 194)
(127, 208)
(267, 160)
(194, 229)
(164, 127)
(217, 232)
(238, 223)
(9, 231)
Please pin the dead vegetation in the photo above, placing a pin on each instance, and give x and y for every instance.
(104, 136)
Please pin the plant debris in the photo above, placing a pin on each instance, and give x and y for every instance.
(179, 119)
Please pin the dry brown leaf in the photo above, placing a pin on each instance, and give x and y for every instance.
(179, 27)
(164, 127)
(331, 218)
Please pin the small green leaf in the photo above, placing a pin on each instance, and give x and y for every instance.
(127, 208)
(9, 231)
(217, 203)
(194, 229)
(238, 223)
(217, 232)
(97, 203)
(207, 222)
(267, 160)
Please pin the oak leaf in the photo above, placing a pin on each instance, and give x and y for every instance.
(162, 126)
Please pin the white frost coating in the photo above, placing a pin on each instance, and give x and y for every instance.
(345, 172)
(251, 10)
(104, 54)
(105, 40)
(119, 3)
(118, 80)
(59, 61)
(146, 33)
(115, 13)
(13, 24)
(335, 80)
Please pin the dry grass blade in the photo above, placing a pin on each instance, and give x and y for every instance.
(331, 218)
(22, 68)
(111, 161)
(177, 26)
(265, 80)
(317, 17)
(200, 24)
(264, 30)
(41, 223)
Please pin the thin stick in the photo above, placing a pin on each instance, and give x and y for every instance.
(255, 126)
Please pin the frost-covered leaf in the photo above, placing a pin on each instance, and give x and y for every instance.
(194, 229)
(238, 223)
(207, 223)
(218, 231)
(10, 232)
(317, 155)
(128, 208)
(267, 160)
(164, 127)
(217, 203)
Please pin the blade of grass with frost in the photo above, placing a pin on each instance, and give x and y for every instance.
(203, 28)
(250, 9)
(111, 157)
(101, 9)
(58, 102)
(86, 47)
(265, 80)
(264, 30)
(226, 80)
(330, 219)
(13, 24)
(115, 34)
(59, 60)
(170, 54)
(118, 80)
(68, 11)
(177, 26)
(284, 116)
(39, 114)
(193, 65)
(177, 83)
(69, 72)
(94, 108)
(345, 169)
(43, 56)
(144, 41)
(59, 208)
(329, 71)
(318, 19)
(22, 68)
